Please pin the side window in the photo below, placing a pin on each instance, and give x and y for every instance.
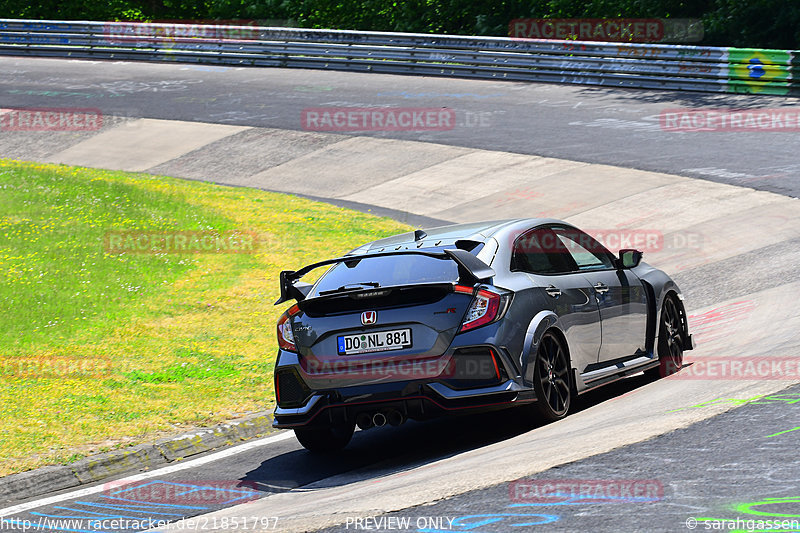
(586, 251)
(540, 251)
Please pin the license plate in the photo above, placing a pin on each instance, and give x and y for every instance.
(377, 341)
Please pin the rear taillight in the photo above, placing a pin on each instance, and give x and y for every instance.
(483, 309)
(285, 333)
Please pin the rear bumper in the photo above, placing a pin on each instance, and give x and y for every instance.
(412, 398)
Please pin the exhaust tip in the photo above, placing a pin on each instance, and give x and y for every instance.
(363, 421)
(395, 418)
(379, 419)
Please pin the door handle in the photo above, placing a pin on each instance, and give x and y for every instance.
(601, 288)
(553, 291)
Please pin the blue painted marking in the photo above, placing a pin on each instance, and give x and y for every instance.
(135, 508)
(121, 508)
(99, 510)
(97, 516)
(145, 505)
(461, 523)
(756, 68)
(33, 39)
(580, 499)
(485, 519)
(77, 517)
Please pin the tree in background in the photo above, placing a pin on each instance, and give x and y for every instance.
(743, 23)
(754, 23)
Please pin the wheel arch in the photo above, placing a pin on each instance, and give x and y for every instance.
(573, 372)
(543, 322)
(659, 286)
(655, 304)
(674, 293)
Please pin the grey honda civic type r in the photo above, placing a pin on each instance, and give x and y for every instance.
(523, 313)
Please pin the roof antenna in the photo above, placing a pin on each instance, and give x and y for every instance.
(419, 235)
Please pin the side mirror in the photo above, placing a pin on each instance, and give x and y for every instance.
(629, 258)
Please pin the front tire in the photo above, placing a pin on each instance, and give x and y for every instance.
(671, 335)
(551, 380)
(330, 439)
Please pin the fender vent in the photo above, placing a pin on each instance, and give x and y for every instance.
(290, 389)
(472, 368)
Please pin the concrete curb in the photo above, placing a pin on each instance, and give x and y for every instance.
(51, 479)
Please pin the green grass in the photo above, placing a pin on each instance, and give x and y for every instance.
(140, 344)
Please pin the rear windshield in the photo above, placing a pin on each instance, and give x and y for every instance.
(386, 271)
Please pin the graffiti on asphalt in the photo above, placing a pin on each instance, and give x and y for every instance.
(757, 400)
(769, 515)
(126, 503)
(472, 522)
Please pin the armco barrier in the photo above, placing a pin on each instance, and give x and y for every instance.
(648, 66)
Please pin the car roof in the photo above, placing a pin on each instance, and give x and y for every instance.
(448, 235)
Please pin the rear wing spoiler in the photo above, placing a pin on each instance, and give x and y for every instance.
(470, 270)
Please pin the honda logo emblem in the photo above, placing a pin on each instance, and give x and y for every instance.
(369, 317)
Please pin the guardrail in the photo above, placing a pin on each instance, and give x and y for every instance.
(648, 66)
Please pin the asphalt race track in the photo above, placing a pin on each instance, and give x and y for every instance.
(595, 157)
(725, 448)
(284, 465)
(589, 124)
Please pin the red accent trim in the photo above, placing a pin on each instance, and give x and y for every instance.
(494, 360)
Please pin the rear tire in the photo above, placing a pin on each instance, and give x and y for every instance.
(671, 336)
(551, 380)
(329, 439)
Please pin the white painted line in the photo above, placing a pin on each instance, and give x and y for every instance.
(147, 475)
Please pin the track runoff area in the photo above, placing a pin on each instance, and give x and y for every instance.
(645, 447)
